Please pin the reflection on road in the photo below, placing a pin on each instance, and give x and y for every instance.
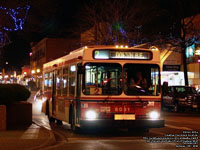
(117, 139)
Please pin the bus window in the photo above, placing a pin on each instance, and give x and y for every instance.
(141, 79)
(58, 82)
(46, 81)
(50, 83)
(72, 82)
(65, 81)
(102, 79)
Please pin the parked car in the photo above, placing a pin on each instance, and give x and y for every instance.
(180, 98)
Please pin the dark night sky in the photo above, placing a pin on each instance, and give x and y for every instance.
(57, 18)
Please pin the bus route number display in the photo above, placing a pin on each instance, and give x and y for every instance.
(132, 54)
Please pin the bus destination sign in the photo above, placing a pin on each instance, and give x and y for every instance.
(131, 54)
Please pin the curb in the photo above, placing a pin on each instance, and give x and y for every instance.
(49, 142)
(60, 143)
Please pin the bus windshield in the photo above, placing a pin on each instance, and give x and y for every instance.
(108, 79)
(141, 79)
(103, 79)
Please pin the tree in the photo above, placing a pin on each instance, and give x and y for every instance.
(180, 32)
(116, 21)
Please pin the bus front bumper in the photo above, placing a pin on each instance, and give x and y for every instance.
(147, 123)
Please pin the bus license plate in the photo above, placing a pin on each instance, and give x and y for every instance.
(194, 106)
(124, 117)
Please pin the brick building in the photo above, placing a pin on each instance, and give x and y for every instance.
(46, 50)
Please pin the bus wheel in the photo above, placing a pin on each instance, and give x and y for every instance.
(59, 122)
(73, 126)
(47, 108)
(51, 119)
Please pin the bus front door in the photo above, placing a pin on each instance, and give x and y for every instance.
(54, 93)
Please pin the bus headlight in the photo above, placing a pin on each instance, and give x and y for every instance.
(91, 115)
(154, 115)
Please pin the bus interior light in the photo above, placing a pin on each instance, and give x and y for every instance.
(73, 68)
(154, 115)
(126, 46)
(121, 46)
(117, 46)
(91, 115)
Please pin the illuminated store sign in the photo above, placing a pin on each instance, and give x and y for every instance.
(197, 52)
(124, 54)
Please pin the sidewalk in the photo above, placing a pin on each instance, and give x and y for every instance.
(32, 138)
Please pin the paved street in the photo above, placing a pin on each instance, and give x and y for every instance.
(117, 139)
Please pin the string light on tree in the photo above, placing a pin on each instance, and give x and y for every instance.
(3, 39)
(16, 17)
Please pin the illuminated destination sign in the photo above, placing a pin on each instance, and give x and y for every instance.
(131, 54)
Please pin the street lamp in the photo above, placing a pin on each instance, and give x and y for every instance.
(33, 71)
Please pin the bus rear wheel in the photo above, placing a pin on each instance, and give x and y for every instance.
(59, 122)
(51, 119)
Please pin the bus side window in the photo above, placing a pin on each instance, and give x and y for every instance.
(46, 81)
(50, 81)
(65, 81)
(72, 82)
(59, 82)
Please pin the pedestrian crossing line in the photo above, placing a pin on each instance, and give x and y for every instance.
(177, 127)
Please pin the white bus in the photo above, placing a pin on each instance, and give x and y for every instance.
(91, 86)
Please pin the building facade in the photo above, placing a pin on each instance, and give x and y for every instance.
(47, 50)
(172, 70)
(193, 52)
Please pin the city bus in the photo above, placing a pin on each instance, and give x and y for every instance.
(90, 87)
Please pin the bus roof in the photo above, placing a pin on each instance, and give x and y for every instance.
(80, 53)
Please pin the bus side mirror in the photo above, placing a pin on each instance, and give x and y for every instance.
(81, 69)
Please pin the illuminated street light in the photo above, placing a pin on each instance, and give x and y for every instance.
(197, 52)
(33, 71)
(6, 63)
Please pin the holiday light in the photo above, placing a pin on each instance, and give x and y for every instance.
(14, 14)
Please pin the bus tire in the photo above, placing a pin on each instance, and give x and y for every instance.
(70, 114)
(73, 123)
(47, 108)
(59, 122)
(51, 119)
